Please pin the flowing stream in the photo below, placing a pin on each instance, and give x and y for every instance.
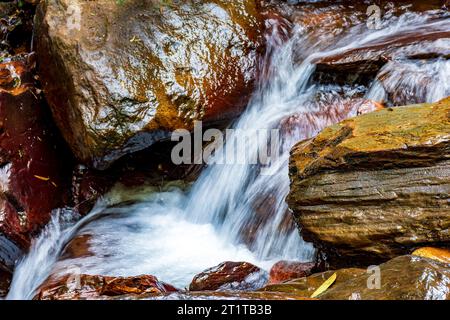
(233, 212)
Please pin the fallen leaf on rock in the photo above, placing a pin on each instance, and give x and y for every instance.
(42, 178)
(324, 286)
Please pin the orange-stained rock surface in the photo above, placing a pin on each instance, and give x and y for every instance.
(124, 76)
(288, 270)
(229, 276)
(86, 287)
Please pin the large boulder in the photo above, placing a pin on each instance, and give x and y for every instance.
(375, 186)
(121, 76)
(402, 278)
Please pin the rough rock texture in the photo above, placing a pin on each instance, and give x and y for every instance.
(120, 77)
(402, 278)
(229, 275)
(375, 186)
(82, 287)
(35, 163)
(288, 270)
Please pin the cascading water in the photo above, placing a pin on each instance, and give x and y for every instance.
(174, 234)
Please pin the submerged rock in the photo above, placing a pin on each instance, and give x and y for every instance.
(85, 287)
(229, 276)
(120, 77)
(375, 186)
(430, 43)
(402, 278)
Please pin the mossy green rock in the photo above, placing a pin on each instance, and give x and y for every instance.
(375, 186)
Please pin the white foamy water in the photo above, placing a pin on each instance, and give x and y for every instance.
(175, 233)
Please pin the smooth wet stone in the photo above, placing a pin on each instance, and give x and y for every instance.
(288, 270)
(402, 278)
(438, 254)
(229, 276)
(36, 165)
(121, 77)
(375, 186)
(92, 287)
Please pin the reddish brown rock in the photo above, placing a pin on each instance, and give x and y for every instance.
(122, 77)
(85, 287)
(229, 275)
(5, 281)
(35, 163)
(288, 270)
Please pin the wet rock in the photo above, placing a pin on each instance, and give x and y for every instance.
(121, 77)
(306, 286)
(35, 163)
(86, 287)
(16, 27)
(78, 247)
(402, 278)
(288, 270)
(438, 254)
(375, 186)
(229, 276)
(408, 82)
(152, 166)
(361, 64)
(9, 254)
(331, 109)
(5, 281)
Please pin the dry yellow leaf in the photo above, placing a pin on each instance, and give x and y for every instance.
(42, 178)
(324, 286)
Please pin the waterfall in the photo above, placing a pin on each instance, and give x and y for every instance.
(175, 233)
